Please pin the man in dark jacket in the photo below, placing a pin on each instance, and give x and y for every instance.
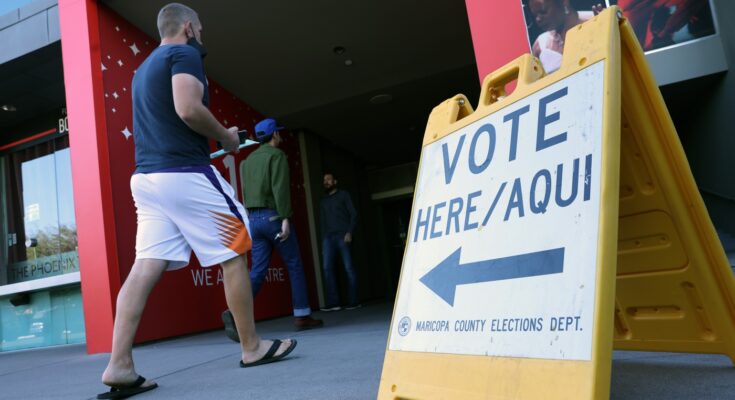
(338, 219)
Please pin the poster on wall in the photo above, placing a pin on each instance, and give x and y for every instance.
(658, 24)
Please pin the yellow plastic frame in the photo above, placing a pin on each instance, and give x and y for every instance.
(699, 296)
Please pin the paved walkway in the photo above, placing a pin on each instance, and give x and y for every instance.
(341, 361)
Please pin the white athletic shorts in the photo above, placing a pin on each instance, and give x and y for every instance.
(185, 208)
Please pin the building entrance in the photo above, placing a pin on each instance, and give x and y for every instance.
(396, 215)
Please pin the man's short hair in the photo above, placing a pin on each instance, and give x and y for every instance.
(172, 16)
(331, 174)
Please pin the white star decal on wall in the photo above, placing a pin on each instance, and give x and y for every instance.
(135, 50)
(127, 133)
(120, 63)
(109, 58)
(117, 28)
(113, 109)
(114, 94)
(103, 67)
(125, 40)
(125, 90)
(225, 123)
(107, 95)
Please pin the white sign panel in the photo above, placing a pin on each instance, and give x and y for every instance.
(502, 248)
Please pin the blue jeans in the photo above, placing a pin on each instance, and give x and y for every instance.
(264, 225)
(332, 244)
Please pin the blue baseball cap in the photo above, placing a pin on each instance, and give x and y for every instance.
(265, 128)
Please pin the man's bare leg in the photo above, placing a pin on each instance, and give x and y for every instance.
(130, 305)
(239, 296)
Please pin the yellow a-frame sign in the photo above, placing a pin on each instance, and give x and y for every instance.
(549, 224)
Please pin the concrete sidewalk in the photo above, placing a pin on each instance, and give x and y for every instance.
(341, 361)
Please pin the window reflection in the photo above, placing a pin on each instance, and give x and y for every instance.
(39, 240)
(39, 213)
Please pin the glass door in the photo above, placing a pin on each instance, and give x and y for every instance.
(40, 242)
(39, 213)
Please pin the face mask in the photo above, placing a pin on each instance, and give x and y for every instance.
(195, 44)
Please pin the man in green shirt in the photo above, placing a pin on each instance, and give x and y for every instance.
(268, 200)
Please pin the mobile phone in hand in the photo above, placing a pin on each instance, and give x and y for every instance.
(243, 135)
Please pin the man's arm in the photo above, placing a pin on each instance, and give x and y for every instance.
(322, 217)
(281, 193)
(347, 200)
(280, 185)
(188, 92)
(351, 210)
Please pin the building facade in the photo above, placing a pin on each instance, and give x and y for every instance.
(66, 157)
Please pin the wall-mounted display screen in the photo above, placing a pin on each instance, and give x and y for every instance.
(678, 36)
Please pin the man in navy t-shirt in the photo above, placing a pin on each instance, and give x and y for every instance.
(162, 138)
(182, 202)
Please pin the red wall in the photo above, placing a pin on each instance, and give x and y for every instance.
(498, 33)
(187, 300)
(99, 101)
(90, 169)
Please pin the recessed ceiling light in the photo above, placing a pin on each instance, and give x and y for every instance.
(8, 107)
(348, 62)
(381, 99)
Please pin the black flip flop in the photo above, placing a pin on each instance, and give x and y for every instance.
(125, 391)
(270, 356)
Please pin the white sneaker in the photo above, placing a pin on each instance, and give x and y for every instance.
(328, 309)
(353, 307)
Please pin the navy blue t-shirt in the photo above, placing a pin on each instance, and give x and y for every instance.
(162, 139)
